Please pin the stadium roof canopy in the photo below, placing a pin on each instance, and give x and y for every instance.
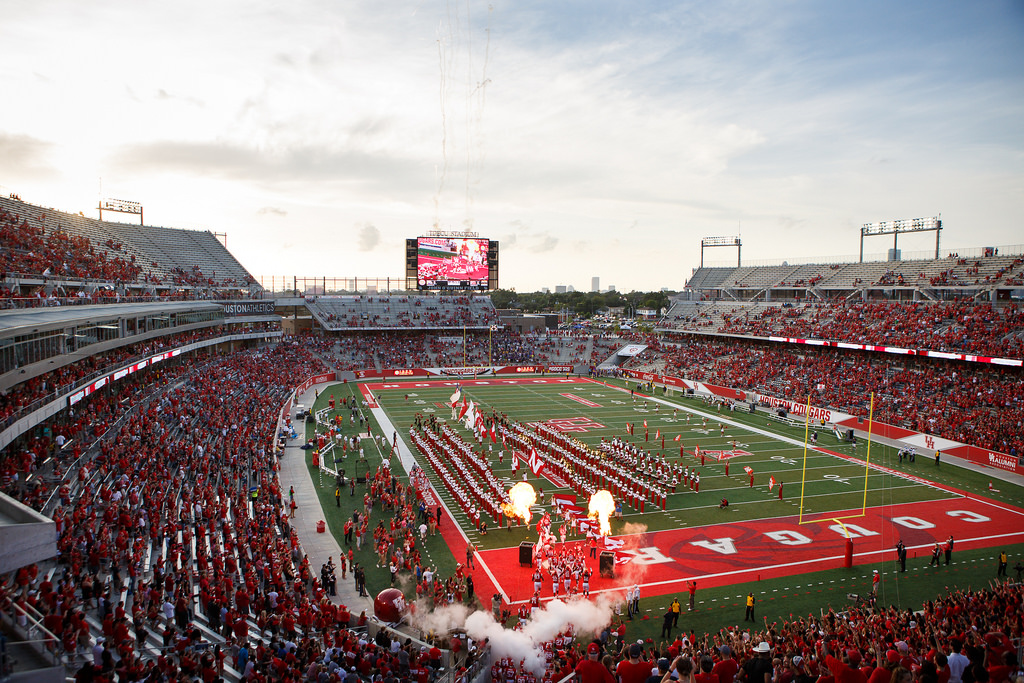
(27, 320)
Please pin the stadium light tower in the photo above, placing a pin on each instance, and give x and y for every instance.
(894, 228)
(721, 242)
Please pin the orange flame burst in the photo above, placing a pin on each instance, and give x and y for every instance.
(602, 506)
(522, 496)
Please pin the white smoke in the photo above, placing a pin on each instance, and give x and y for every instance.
(585, 616)
(438, 621)
(635, 537)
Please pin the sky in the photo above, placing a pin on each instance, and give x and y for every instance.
(591, 138)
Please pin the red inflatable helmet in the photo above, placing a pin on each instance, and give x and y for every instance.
(389, 606)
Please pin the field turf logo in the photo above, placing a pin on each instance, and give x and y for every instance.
(571, 424)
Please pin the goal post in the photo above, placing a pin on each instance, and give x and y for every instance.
(824, 515)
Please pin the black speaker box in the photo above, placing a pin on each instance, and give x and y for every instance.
(606, 564)
(526, 554)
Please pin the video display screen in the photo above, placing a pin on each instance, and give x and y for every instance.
(451, 263)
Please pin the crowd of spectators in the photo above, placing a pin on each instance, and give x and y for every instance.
(26, 394)
(966, 636)
(977, 404)
(177, 559)
(386, 311)
(380, 350)
(65, 294)
(39, 247)
(173, 527)
(29, 250)
(955, 327)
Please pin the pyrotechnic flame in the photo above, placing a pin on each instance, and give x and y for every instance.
(602, 506)
(522, 496)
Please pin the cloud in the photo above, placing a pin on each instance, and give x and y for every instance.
(368, 238)
(546, 243)
(163, 95)
(791, 222)
(23, 156)
(287, 164)
(528, 238)
(272, 210)
(684, 117)
(511, 240)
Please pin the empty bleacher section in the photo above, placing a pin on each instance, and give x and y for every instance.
(360, 312)
(949, 277)
(709, 278)
(41, 248)
(418, 348)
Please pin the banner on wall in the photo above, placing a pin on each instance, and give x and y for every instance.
(817, 414)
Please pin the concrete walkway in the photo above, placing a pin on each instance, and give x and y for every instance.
(317, 546)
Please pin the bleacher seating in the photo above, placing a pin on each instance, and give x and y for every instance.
(956, 327)
(402, 312)
(147, 256)
(426, 349)
(709, 278)
(970, 274)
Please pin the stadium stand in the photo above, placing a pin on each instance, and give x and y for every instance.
(952, 276)
(170, 565)
(973, 403)
(30, 393)
(960, 326)
(49, 254)
(426, 349)
(402, 312)
(965, 635)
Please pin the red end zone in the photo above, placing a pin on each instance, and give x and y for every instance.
(728, 553)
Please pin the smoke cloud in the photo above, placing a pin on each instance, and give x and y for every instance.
(585, 616)
(634, 571)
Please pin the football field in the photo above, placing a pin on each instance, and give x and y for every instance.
(790, 510)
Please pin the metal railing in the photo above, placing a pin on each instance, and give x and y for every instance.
(26, 623)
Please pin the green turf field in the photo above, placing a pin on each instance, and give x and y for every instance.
(832, 486)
